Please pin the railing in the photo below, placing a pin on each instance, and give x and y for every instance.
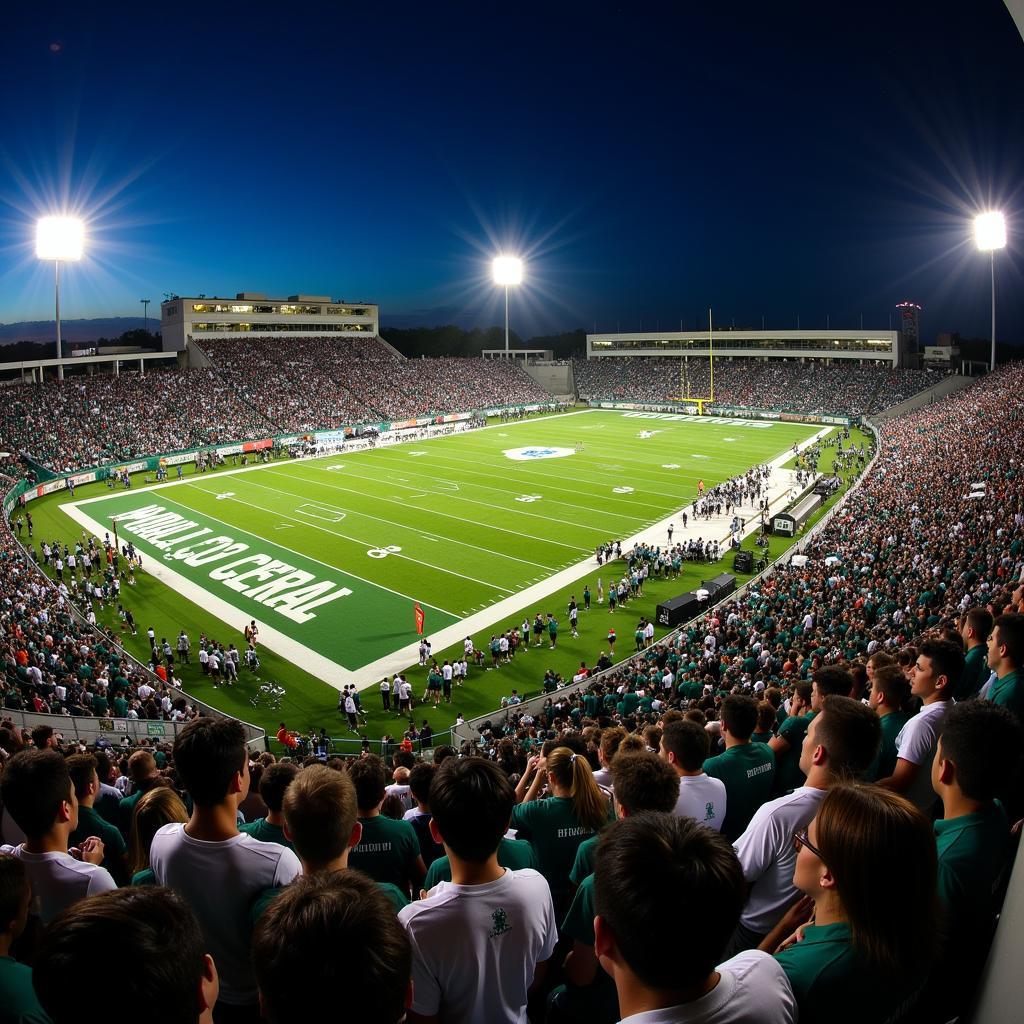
(470, 730)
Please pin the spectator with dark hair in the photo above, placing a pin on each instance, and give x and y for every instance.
(160, 806)
(841, 742)
(172, 980)
(1006, 659)
(388, 850)
(936, 674)
(36, 791)
(420, 777)
(685, 746)
(788, 741)
(481, 941)
(274, 782)
(108, 802)
(979, 753)
(890, 693)
(654, 871)
(875, 932)
(216, 868)
(82, 769)
(975, 629)
(746, 768)
(144, 775)
(330, 943)
(18, 1001)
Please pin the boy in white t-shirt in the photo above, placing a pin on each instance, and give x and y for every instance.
(653, 873)
(37, 793)
(685, 745)
(479, 942)
(217, 869)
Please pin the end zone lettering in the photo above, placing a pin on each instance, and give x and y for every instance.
(289, 590)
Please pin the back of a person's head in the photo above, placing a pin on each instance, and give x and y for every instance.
(984, 742)
(947, 659)
(370, 778)
(610, 740)
(765, 716)
(654, 871)
(160, 806)
(82, 769)
(571, 770)
(420, 778)
(320, 812)
(644, 782)
(688, 741)
(739, 715)
(167, 949)
(833, 679)
(41, 736)
(14, 893)
(331, 944)
(471, 801)
(141, 765)
(443, 752)
(274, 781)
(850, 732)
(891, 681)
(859, 828)
(980, 620)
(34, 785)
(208, 753)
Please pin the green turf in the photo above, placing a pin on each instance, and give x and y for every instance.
(466, 542)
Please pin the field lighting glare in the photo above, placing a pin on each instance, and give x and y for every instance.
(508, 270)
(59, 238)
(990, 231)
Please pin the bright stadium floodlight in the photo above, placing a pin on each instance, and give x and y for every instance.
(989, 235)
(57, 239)
(507, 270)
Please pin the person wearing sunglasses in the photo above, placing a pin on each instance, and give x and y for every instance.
(873, 930)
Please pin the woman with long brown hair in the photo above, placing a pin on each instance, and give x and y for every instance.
(160, 806)
(868, 863)
(575, 808)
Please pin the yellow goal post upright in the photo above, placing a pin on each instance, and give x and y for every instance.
(685, 395)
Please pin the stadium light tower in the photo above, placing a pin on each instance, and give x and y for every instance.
(507, 270)
(989, 235)
(59, 238)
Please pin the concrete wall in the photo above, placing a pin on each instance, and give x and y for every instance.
(946, 386)
(555, 378)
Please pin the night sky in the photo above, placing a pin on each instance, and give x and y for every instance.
(649, 160)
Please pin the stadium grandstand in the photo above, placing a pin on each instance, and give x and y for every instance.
(895, 631)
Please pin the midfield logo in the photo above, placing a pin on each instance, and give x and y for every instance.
(527, 454)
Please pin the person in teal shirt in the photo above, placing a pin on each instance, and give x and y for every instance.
(979, 752)
(975, 628)
(875, 933)
(82, 769)
(274, 782)
(890, 693)
(18, 1000)
(1006, 659)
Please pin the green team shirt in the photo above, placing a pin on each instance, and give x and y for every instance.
(267, 896)
(583, 865)
(975, 673)
(144, 877)
(787, 765)
(579, 919)
(266, 832)
(20, 1003)
(91, 824)
(514, 854)
(885, 759)
(1009, 693)
(748, 771)
(834, 983)
(555, 832)
(597, 1002)
(972, 850)
(386, 851)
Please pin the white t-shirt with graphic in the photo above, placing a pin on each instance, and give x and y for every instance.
(702, 798)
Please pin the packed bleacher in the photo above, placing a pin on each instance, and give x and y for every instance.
(798, 809)
(764, 384)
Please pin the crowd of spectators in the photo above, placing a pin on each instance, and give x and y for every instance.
(807, 387)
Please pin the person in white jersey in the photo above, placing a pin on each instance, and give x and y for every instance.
(685, 745)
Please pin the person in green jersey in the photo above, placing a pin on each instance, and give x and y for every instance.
(331, 940)
(145, 776)
(18, 1000)
(765, 723)
(746, 768)
(82, 769)
(979, 752)
(875, 933)
(890, 693)
(160, 806)
(388, 850)
(575, 808)
(552, 630)
(274, 782)
(321, 822)
(172, 973)
(975, 628)
(1006, 659)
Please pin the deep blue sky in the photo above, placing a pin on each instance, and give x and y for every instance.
(651, 159)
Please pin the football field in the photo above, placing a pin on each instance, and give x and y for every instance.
(331, 555)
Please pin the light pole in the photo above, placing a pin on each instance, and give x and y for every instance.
(59, 238)
(145, 313)
(507, 270)
(989, 235)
